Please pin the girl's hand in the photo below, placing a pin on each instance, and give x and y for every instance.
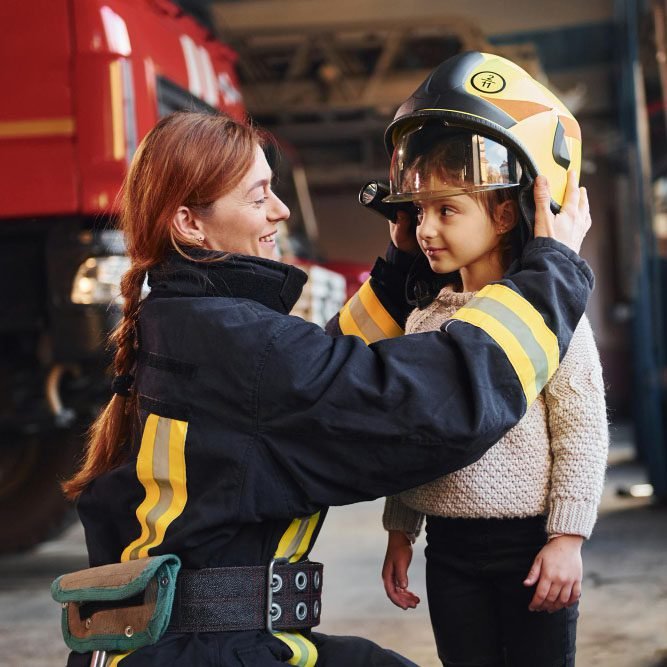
(395, 570)
(573, 221)
(557, 570)
(403, 234)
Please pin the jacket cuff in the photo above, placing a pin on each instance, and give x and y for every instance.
(542, 242)
(571, 517)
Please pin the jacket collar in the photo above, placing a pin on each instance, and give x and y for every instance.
(273, 284)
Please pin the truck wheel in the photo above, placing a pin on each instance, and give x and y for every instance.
(32, 506)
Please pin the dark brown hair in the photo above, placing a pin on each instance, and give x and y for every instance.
(188, 159)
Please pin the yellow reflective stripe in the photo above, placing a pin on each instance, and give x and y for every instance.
(305, 540)
(378, 312)
(304, 653)
(365, 316)
(531, 317)
(293, 545)
(177, 493)
(296, 650)
(296, 539)
(113, 660)
(145, 477)
(285, 548)
(161, 471)
(521, 362)
(347, 324)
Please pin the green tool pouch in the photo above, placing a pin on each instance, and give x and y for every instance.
(119, 607)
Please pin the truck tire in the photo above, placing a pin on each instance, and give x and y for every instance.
(32, 506)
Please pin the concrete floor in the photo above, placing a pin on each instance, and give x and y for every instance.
(623, 619)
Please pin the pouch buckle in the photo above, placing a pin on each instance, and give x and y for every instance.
(274, 583)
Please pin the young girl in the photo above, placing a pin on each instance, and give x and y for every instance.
(504, 535)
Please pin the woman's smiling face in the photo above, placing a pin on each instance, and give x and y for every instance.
(244, 220)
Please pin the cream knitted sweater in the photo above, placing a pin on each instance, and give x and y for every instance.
(552, 462)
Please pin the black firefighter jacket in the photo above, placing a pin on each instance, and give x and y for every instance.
(253, 422)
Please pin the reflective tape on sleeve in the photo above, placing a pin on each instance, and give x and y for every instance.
(365, 316)
(520, 331)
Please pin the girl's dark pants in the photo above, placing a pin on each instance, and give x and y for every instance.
(478, 603)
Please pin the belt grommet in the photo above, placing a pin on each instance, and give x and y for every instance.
(129, 631)
(316, 609)
(164, 581)
(301, 611)
(276, 583)
(316, 581)
(276, 612)
(88, 623)
(300, 580)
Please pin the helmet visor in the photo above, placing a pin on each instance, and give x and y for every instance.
(431, 162)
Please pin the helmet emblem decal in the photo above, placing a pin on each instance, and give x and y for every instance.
(488, 82)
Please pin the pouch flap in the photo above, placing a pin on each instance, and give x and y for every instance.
(111, 582)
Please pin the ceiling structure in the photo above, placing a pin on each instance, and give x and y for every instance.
(327, 76)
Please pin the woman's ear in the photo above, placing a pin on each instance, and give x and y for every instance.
(505, 216)
(187, 226)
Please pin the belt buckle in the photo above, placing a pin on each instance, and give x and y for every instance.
(273, 609)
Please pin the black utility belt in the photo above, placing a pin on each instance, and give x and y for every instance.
(282, 596)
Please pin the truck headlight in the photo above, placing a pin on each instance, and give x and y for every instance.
(98, 280)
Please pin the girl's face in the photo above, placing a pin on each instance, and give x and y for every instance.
(244, 220)
(456, 232)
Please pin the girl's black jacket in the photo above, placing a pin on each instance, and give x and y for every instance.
(262, 418)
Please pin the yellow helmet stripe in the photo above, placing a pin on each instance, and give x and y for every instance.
(518, 109)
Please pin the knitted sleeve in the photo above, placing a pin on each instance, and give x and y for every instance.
(398, 516)
(579, 436)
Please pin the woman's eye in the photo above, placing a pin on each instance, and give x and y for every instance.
(259, 202)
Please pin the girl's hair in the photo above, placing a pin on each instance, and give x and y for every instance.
(512, 241)
(188, 159)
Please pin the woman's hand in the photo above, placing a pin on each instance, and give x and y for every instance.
(403, 234)
(574, 220)
(395, 570)
(557, 570)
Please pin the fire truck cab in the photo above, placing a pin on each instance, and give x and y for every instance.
(82, 81)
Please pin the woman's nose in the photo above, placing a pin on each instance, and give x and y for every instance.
(279, 210)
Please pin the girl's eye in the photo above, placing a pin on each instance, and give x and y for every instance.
(446, 211)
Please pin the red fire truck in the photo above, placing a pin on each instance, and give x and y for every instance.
(82, 82)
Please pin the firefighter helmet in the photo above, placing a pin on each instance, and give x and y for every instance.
(495, 110)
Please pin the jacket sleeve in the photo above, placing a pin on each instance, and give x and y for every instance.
(380, 308)
(579, 437)
(350, 422)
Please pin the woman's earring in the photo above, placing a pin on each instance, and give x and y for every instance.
(200, 240)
